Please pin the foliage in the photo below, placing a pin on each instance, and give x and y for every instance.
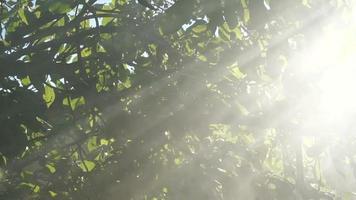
(156, 100)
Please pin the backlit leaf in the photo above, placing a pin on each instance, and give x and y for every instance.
(49, 95)
(87, 166)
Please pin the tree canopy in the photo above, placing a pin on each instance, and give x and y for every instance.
(167, 99)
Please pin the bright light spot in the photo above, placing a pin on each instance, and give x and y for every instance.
(329, 63)
(337, 59)
(338, 89)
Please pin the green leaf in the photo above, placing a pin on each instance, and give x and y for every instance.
(202, 58)
(224, 34)
(246, 11)
(13, 25)
(59, 7)
(126, 83)
(51, 168)
(34, 188)
(246, 15)
(200, 28)
(121, 2)
(22, 15)
(107, 20)
(53, 194)
(87, 165)
(49, 95)
(74, 103)
(86, 52)
(37, 14)
(178, 161)
(92, 144)
(26, 81)
(104, 142)
(235, 71)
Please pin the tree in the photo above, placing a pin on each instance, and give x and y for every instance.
(154, 99)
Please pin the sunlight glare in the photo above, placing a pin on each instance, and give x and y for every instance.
(338, 88)
(330, 63)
